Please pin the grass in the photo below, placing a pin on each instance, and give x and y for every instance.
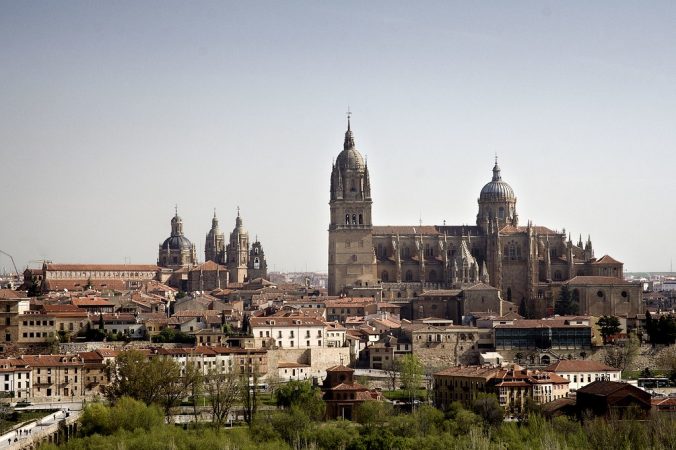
(402, 395)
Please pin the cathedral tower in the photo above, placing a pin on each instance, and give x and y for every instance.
(352, 259)
(497, 203)
(258, 267)
(237, 252)
(177, 250)
(214, 247)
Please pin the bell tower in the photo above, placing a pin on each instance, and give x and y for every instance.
(352, 261)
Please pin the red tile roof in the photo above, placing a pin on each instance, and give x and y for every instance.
(103, 267)
(577, 365)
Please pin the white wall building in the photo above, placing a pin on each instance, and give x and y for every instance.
(583, 372)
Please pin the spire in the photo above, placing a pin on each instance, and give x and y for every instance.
(496, 170)
(238, 221)
(349, 138)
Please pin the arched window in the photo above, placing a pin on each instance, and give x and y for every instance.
(385, 277)
(347, 219)
(405, 252)
(432, 277)
(361, 219)
(257, 263)
(409, 275)
(501, 213)
(381, 252)
(354, 219)
(255, 250)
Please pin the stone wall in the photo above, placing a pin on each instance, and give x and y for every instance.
(319, 359)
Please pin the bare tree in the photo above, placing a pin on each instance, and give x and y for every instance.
(223, 390)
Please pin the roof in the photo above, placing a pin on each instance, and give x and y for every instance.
(277, 321)
(606, 259)
(604, 388)
(12, 294)
(406, 229)
(209, 265)
(510, 229)
(90, 301)
(102, 267)
(469, 372)
(481, 287)
(577, 365)
(541, 323)
(595, 280)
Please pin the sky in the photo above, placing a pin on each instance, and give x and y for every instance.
(112, 112)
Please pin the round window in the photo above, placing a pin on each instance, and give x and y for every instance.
(600, 293)
(624, 294)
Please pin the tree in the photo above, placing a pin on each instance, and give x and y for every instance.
(489, 409)
(304, 395)
(621, 357)
(392, 372)
(608, 326)
(567, 304)
(249, 392)
(411, 375)
(522, 308)
(224, 391)
(372, 413)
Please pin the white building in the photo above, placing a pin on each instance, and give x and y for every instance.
(583, 372)
(294, 332)
(14, 379)
(288, 371)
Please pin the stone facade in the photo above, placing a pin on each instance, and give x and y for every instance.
(524, 263)
(244, 262)
(177, 251)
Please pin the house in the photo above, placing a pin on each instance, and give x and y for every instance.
(612, 398)
(290, 332)
(580, 373)
(288, 371)
(342, 394)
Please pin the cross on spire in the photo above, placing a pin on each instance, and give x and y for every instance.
(238, 211)
(349, 114)
(176, 209)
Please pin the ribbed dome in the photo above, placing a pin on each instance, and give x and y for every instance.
(497, 189)
(177, 243)
(349, 158)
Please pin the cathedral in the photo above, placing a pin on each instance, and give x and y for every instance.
(525, 263)
(244, 262)
(241, 260)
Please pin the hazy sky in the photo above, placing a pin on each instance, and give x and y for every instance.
(112, 112)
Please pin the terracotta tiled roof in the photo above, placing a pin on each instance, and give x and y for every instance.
(89, 301)
(12, 294)
(606, 259)
(469, 371)
(60, 308)
(603, 387)
(577, 365)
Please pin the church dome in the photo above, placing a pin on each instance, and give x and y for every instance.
(177, 243)
(350, 158)
(496, 189)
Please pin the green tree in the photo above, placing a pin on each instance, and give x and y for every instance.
(568, 302)
(489, 409)
(411, 375)
(373, 413)
(304, 395)
(608, 326)
(224, 391)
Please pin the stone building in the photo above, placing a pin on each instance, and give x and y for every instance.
(525, 263)
(177, 251)
(243, 261)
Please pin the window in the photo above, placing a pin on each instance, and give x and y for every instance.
(409, 275)
(385, 277)
(354, 258)
(361, 220)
